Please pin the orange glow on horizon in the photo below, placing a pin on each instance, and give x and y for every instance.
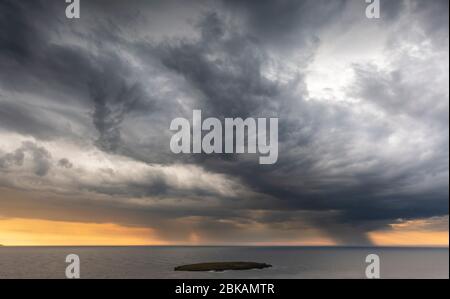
(413, 233)
(409, 238)
(31, 232)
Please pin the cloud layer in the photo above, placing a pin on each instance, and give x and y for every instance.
(85, 109)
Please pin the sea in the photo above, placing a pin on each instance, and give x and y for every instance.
(159, 262)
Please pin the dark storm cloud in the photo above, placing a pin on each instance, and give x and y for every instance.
(32, 63)
(434, 15)
(113, 99)
(391, 10)
(288, 21)
(232, 83)
(332, 171)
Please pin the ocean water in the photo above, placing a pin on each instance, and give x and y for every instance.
(158, 262)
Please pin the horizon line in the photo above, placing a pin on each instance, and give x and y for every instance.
(244, 245)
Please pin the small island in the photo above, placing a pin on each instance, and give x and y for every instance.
(223, 266)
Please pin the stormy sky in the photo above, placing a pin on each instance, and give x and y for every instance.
(363, 108)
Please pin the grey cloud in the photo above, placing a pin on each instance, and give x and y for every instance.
(226, 69)
(331, 165)
(112, 101)
(11, 159)
(356, 193)
(99, 82)
(397, 95)
(391, 10)
(40, 156)
(65, 163)
(433, 17)
(288, 21)
(28, 120)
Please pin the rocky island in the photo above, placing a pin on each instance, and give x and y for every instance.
(222, 266)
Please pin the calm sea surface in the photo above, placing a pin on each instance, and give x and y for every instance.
(158, 262)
